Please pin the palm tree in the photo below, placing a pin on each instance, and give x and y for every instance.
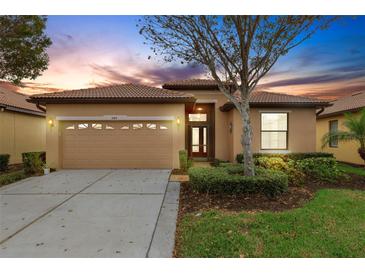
(355, 131)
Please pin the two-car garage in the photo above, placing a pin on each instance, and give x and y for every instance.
(119, 126)
(121, 144)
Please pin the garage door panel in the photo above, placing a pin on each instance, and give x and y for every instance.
(117, 148)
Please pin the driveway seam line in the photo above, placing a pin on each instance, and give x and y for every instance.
(53, 208)
(158, 218)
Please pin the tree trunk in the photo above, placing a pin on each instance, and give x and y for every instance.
(246, 139)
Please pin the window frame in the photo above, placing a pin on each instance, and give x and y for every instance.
(335, 139)
(286, 131)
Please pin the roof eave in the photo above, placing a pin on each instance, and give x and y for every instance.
(326, 115)
(22, 110)
(44, 101)
(229, 106)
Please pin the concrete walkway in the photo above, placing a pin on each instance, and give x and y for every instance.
(90, 213)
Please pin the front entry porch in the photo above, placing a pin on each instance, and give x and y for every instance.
(200, 132)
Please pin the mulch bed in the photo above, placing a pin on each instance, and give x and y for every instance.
(178, 172)
(12, 168)
(191, 201)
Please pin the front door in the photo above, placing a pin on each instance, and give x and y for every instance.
(199, 141)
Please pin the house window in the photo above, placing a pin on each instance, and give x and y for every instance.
(197, 117)
(333, 125)
(82, 126)
(274, 130)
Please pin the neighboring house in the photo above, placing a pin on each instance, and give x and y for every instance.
(136, 126)
(22, 125)
(332, 118)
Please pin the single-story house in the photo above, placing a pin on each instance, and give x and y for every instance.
(22, 126)
(332, 118)
(137, 126)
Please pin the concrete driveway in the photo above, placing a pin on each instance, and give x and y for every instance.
(90, 213)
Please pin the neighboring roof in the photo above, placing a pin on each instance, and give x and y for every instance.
(264, 98)
(16, 101)
(354, 102)
(191, 84)
(125, 93)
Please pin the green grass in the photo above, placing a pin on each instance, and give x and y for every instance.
(11, 177)
(351, 169)
(331, 225)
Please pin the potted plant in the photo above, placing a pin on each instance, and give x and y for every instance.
(46, 169)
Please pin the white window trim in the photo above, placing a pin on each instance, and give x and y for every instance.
(115, 118)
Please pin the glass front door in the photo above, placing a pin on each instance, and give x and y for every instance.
(199, 141)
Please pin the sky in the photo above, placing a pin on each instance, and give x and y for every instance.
(89, 51)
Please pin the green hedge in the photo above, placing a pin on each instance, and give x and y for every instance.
(323, 169)
(287, 156)
(33, 162)
(12, 177)
(225, 180)
(4, 161)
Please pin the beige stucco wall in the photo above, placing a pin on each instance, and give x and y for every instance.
(53, 144)
(301, 130)
(21, 133)
(346, 151)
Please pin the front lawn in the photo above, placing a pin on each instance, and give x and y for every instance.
(352, 169)
(330, 225)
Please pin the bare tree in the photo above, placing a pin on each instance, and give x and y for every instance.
(236, 50)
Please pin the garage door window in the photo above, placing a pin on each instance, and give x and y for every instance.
(125, 127)
(96, 126)
(151, 126)
(83, 126)
(137, 126)
(163, 127)
(70, 127)
(109, 127)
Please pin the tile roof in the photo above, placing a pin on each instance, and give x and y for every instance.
(192, 84)
(115, 94)
(16, 101)
(264, 98)
(352, 102)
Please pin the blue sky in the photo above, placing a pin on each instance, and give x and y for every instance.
(98, 50)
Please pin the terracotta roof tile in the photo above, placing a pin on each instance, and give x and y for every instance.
(353, 102)
(273, 97)
(116, 93)
(191, 84)
(17, 102)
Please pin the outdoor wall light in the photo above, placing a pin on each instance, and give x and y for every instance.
(51, 122)
(178, 121)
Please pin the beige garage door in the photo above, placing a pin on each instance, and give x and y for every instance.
(139, 144)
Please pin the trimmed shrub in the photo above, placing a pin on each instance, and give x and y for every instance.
(12, 177)
(185, 162)
(33, 162)
(276, 163)
(295, 176)
(288, 156)
(218, 162)
(219, 180)
(323, 169)
(4, 161)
